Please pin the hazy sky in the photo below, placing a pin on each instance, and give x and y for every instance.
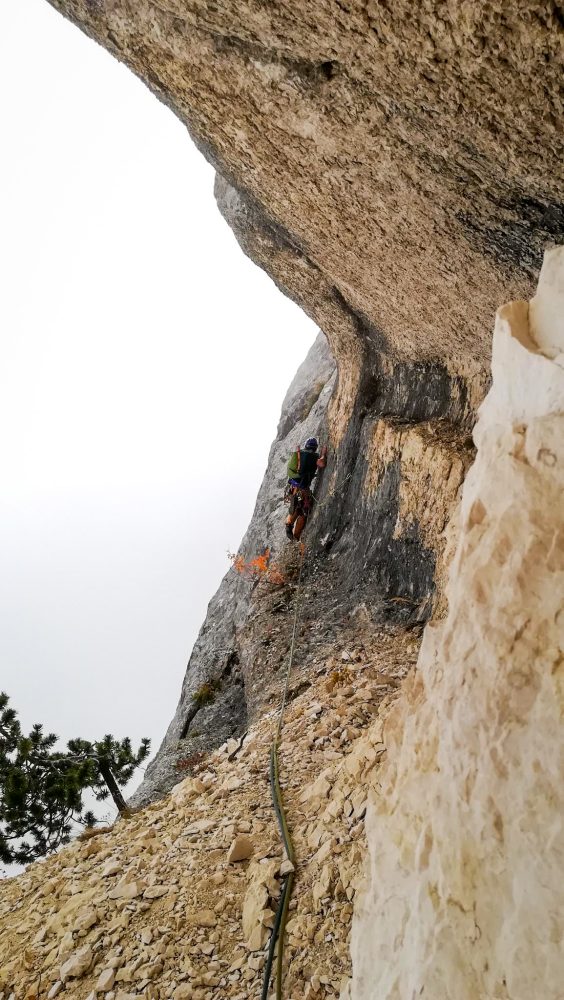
(143, 360)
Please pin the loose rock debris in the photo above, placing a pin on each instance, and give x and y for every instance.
(178, 900)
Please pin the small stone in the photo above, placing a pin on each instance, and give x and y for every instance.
(318, 789)
(183, 992)
(124, 975)
(200, 826)
(204, 918)
(126, 890)
(66, 943)
(77, 964)
(110, 868)
(286, 867)
(257, 938)
(241, 849)
(323, 853)
(106, 980)
(85, 920)
(55, 990)
(154, 891)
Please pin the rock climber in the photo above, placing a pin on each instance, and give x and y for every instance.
(302, 468)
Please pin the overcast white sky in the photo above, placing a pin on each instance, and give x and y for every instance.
(143, 360)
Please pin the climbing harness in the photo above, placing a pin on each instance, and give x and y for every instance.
(303, 497)
(279, 928)
(290, 490)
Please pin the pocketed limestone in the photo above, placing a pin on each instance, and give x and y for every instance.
(464, 895)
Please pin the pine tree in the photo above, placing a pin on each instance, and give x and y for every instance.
(113, 763)
(41, 790)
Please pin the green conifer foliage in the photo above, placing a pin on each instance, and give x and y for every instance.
(41, 789)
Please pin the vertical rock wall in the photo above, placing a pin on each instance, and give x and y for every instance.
(223, 652)
(464, 895)
(375, 541)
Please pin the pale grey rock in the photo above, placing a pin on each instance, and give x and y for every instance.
(217, 652)
(376, 540)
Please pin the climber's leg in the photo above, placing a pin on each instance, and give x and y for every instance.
(292, 516)
(299, 526)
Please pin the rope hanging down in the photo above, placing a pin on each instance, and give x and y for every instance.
(282, 912)
(279, 927)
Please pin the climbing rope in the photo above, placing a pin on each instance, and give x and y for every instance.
(331, 493)
(278, 930)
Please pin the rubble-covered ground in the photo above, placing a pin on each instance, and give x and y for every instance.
(156, 907)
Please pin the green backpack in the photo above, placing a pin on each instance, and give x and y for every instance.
(294, 465)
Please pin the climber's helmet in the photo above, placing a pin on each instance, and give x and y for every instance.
(311, 444)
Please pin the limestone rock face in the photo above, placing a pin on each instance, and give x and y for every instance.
(464, 894)
(452, 783)
(375, 543)
(392, 162)
(223, 649)
(397, 171)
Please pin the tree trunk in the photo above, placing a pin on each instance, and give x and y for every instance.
(113, 787)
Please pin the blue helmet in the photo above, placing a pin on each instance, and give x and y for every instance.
(311, 444)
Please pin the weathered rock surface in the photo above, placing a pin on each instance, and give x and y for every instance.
(465, 896)
(460, 775)
(398, 167)
(375, 544)
(218, 652)
(397, 171)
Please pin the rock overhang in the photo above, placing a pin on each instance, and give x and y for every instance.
(406, 159)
